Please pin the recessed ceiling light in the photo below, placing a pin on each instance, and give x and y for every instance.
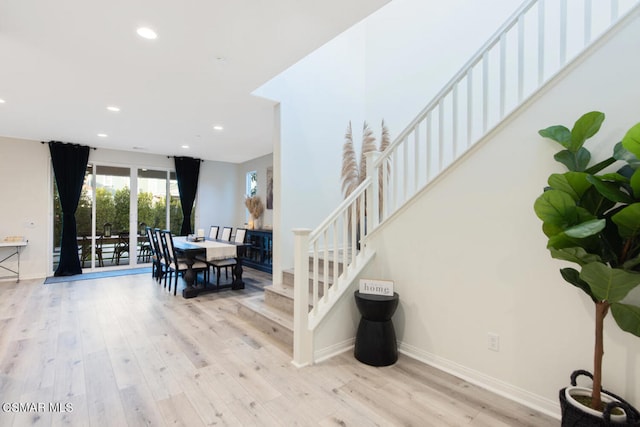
(113, 108)
(218, 127)
(185, 146)
(102, 135)
(147, 33)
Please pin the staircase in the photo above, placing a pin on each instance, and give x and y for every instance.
(272, 311)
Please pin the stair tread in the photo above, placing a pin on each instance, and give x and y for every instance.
(320, 277)
(286, 291)
(258, 305)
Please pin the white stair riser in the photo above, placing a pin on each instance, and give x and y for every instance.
(267, 325)
(288, 281)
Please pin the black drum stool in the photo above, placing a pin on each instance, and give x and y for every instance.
(376, 338)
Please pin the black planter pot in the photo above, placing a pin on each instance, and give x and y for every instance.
(574, 416)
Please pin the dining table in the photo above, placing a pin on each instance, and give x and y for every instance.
(209, 250)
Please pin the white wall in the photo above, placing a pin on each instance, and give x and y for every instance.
(475, 259)
(219, 195)
(318, 97)
(25, 170)
(131, 159)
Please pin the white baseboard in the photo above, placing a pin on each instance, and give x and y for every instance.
(333, 350)
(22, 278)
(530, 400)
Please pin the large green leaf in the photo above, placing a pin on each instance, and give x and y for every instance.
(584, 128)
(562, 241)
(627, 317)
(583, 234)
(621, 153)
(572, 276)
(610, 190)
(550, 230)
(631, 140)
(575, 254)
(573, 183)
(609, 284)
(614, 177)
(628, 221)
(574, 161)
(586, 229)
(556, 207)
(635, 183)
(558, 133)
(595, 203)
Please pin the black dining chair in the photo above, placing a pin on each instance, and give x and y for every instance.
(177, 264)
(162, 258)
(213, 232)
(145, 251)
(154, 249)
(98, 249)
(226, 234)
(121, 247)
(85, 250)
(228, 262)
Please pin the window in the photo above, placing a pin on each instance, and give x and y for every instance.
(252, 183)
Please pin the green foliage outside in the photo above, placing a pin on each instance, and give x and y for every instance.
(114, 209)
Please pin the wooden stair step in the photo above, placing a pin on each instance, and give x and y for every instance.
(281, 298)
(270, 320)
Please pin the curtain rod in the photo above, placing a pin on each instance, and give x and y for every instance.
(187, 157)
(68, 143)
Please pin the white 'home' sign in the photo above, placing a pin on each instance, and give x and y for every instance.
(376, 287)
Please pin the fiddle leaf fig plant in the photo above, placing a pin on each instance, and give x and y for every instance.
(592, 219)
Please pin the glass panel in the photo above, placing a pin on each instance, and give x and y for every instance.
(112, 214)
(152, 207)
(252, 183)
(152, 198)
(175, 207)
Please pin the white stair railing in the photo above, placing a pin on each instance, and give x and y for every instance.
(535, 44)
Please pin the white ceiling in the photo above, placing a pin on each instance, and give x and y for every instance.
(63, 62)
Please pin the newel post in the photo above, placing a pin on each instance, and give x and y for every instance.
(373, 192)
(302, 336)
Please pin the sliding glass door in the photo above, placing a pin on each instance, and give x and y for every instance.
(110, 232)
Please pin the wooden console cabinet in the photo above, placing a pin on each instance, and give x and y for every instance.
(260, 254)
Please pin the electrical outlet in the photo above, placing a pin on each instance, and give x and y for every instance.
(493, 342)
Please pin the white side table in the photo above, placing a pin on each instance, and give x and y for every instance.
(16, 246)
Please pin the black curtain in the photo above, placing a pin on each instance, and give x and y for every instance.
(69, 166)
(187, 172)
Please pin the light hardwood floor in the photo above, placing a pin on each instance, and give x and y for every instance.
(123, 351)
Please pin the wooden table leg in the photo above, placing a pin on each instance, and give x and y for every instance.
(189, 291)
(237, 275)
